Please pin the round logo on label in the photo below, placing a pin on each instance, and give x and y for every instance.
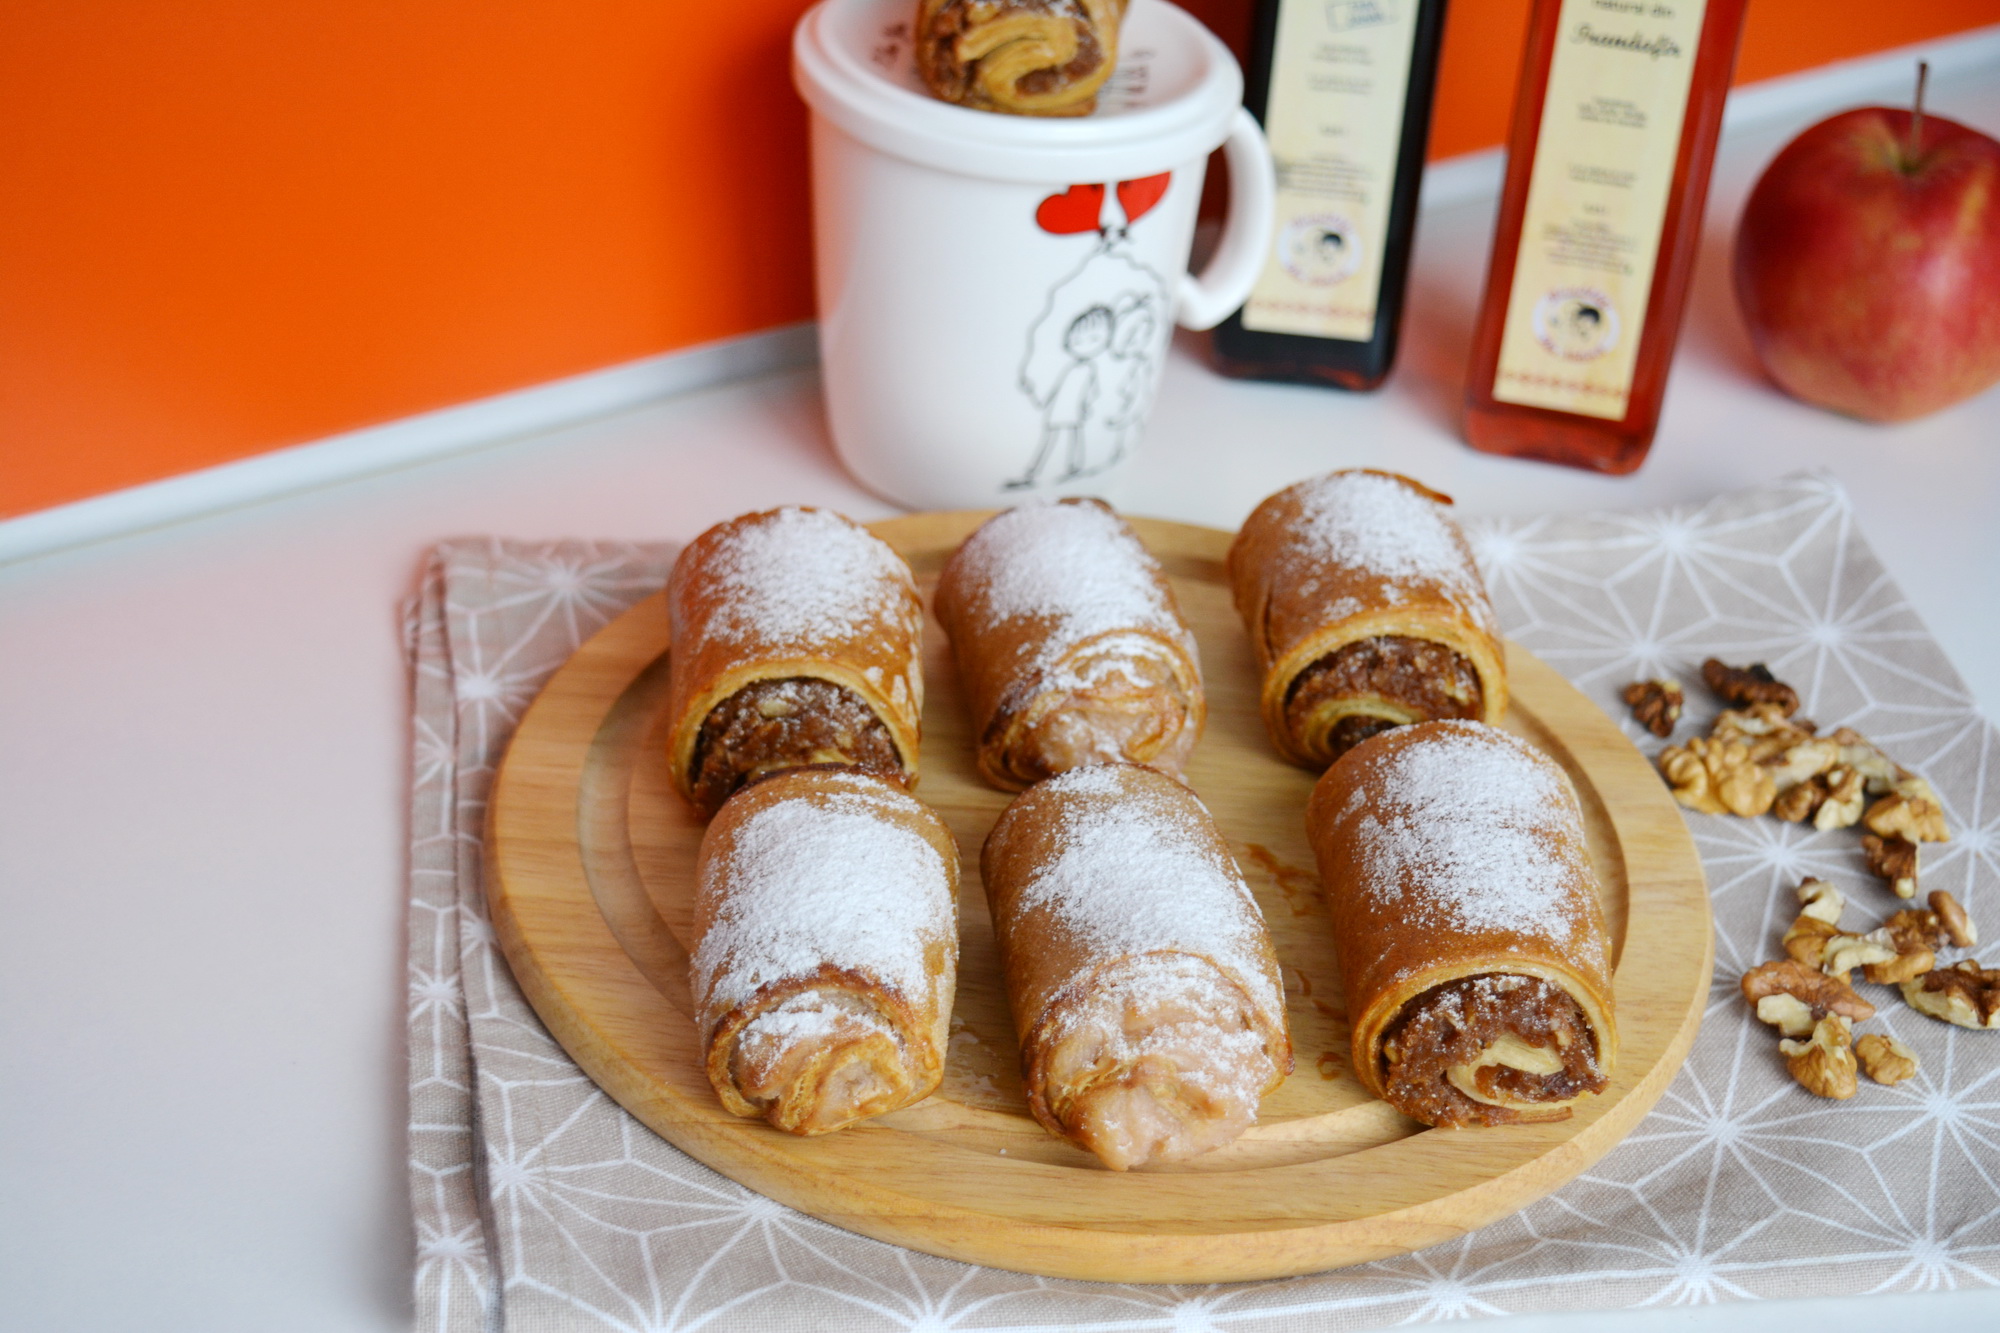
(1576, 323)
(1320, 249)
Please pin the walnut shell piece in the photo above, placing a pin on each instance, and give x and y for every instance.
(1893, 859)
(1818, 992)
(1824, 1063)
(1656, 704)
(1885, 1059)
(1753, 684)
(1957, 926)
(1965, 995)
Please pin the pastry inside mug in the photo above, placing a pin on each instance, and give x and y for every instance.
(1020, 57)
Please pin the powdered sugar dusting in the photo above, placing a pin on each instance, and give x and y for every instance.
(803, 576)
(1189, 1014)
(1377, 524)
(1130, 878)
(1457, 836)
(823, 879)
(1075, 566)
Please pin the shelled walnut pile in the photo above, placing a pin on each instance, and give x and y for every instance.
(1809, 996)
(1759, 757)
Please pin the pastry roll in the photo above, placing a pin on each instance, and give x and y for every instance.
(826, 920)
(1024, 57)
(1137, 966)
(1366, 612)
(1466, 920)
(1070, 645)
(795, 641)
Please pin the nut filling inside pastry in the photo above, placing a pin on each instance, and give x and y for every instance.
(774, 724)
(1495, 1049)
(1029, 57)
(1127, 705)
(1163, 1062)
(820, 1060)
(1374, 684)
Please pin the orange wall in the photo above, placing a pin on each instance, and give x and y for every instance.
(232, 225)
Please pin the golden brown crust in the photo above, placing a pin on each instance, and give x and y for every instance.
(1070, 645)
(1345, 557)
(1449, 850)
(792, 593)
(1020, 57)
(889, 990)
(1108, 870)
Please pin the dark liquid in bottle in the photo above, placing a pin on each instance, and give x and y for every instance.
(1343, 89)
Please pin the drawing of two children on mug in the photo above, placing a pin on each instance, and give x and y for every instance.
(1094, 393)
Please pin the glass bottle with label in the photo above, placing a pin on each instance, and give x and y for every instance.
(1614, 132)
(1343, 89)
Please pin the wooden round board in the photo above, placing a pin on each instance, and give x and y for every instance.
(591, 860)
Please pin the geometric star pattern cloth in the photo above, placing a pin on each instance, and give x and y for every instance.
(540, 1204)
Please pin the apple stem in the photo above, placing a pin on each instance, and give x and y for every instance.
(1917, 113)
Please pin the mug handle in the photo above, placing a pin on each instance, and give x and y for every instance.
(1212, 296)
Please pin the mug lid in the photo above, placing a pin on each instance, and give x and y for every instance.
(1170, 100)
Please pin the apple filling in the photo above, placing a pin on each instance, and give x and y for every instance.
(1123, 705)
(820, 1060)
(1163, 1061)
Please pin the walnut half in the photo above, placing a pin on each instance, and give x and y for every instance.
(1824, 1063)
(1821, 900)
(1793, 997)
(1957, 926)
(1656, 704)
(1754, 684)
(1885, 1059)
(1846, 794)
(1965, 995)
(1916, 936)
(1906, 814)
(1844, 953)
(1717, 777)
(1894, 859)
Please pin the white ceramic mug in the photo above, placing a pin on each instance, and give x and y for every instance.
(997, 293)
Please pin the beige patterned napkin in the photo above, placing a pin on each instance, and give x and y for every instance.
(541, 1205)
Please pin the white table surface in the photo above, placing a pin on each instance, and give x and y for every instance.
(203, 737)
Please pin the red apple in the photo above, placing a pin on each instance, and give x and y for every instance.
(1868, 264)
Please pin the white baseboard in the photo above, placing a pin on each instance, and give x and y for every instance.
(564, 402)
(405, 442)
